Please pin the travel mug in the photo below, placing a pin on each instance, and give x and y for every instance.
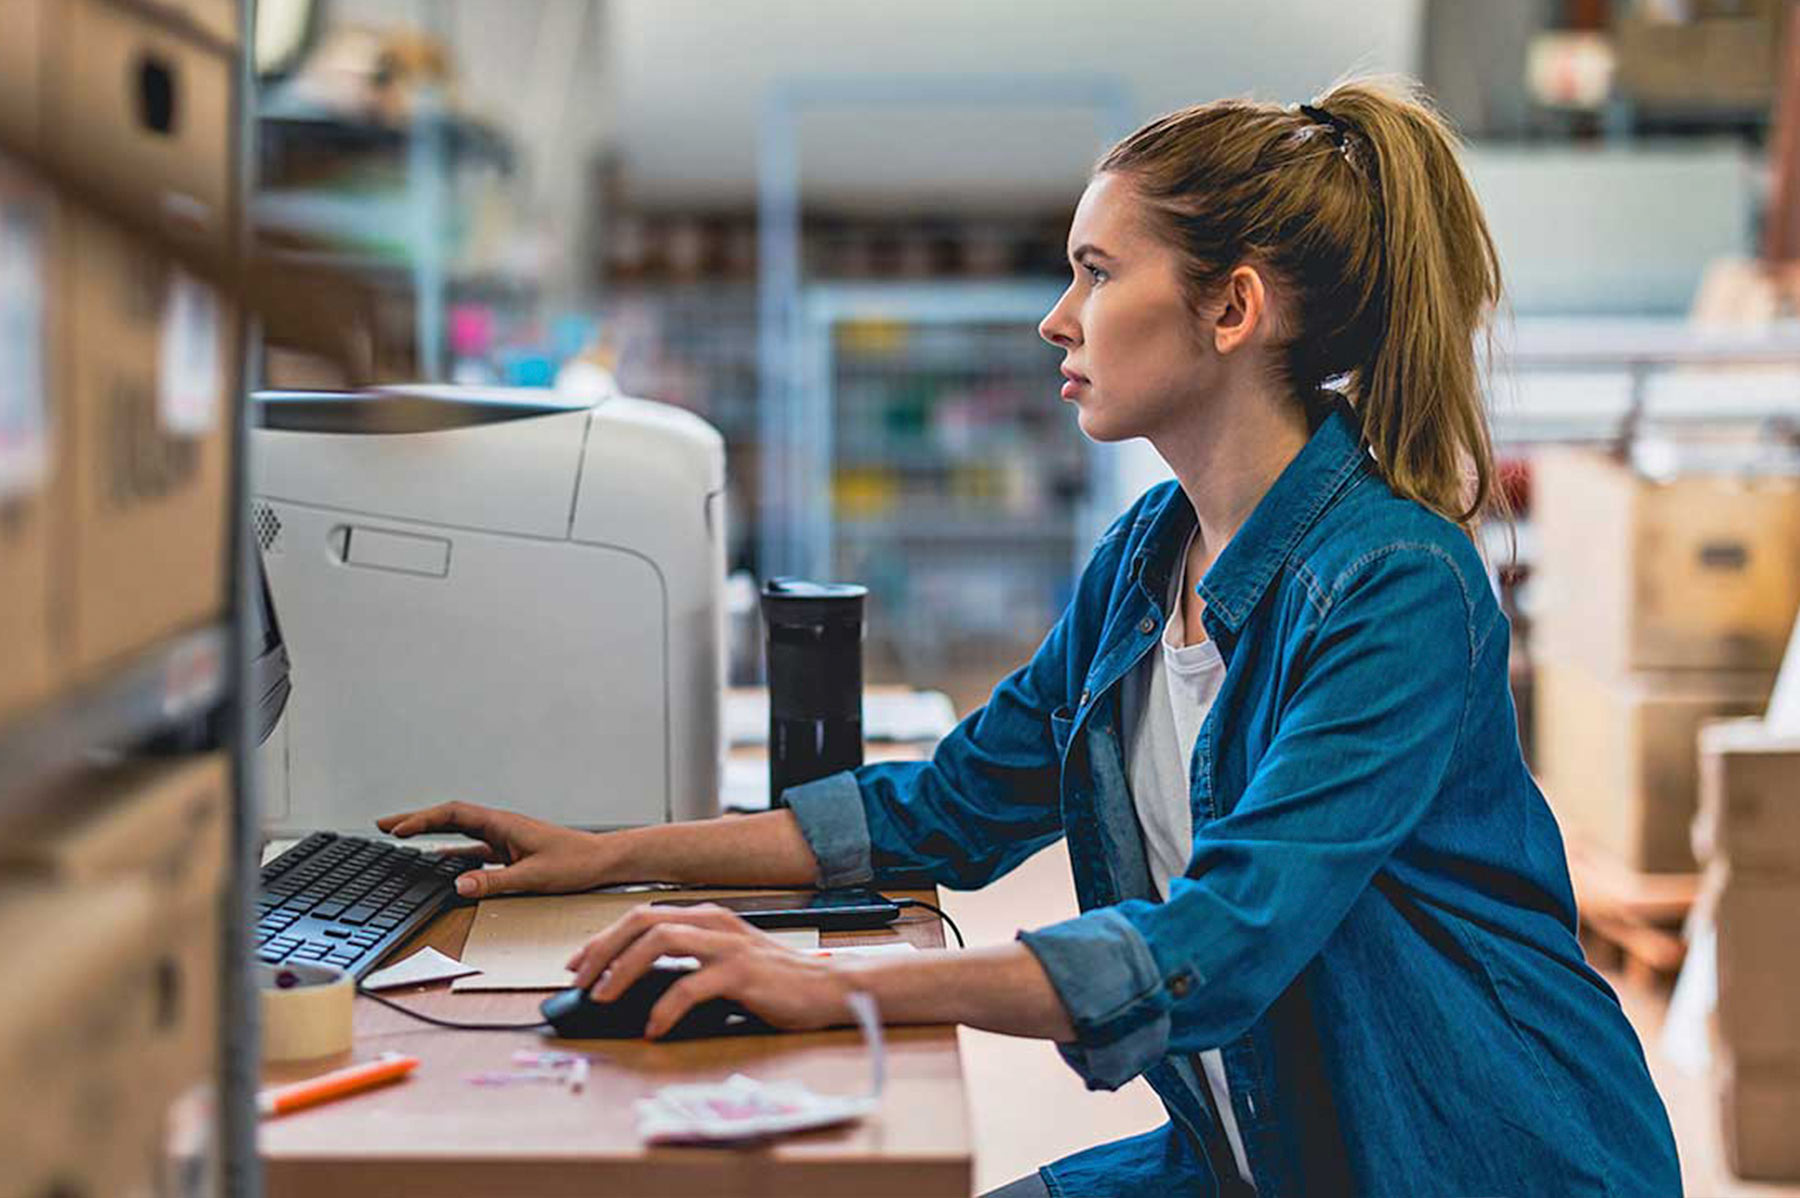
(813, 644)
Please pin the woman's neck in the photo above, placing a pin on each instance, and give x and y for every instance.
(1226, 456)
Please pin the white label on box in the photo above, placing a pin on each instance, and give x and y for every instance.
(189, 378)
(24, 435)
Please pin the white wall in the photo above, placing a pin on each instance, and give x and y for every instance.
(691, 74)
(1594, 230)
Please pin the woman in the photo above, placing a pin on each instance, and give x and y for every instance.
(1326, 910)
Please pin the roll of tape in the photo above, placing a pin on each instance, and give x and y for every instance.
(306, 1011)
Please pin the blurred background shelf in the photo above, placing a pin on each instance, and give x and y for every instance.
(162, 690)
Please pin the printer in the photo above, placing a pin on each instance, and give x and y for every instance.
(498, 595)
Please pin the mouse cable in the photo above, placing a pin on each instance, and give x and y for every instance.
(939, 912)
(422, 1017)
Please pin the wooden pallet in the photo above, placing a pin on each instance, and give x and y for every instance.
(1629, 919)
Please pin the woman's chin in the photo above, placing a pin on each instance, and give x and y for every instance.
(1096, 426)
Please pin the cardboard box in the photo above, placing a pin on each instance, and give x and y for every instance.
(1702, 573)
(165, 821)
(165, 824)
(1759, 1108)
(1749, 814)
(1618, 757)
(29, 316)
(214, 21)
(146, 118)
(21, 76)
(1717, 62)
(151, 363)
(1756, 1017)
(74, 1115)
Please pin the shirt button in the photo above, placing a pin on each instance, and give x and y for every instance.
(1179, 985)
(1082, 702)
(1146, 625)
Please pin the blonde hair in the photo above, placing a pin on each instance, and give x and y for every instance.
(1356, 205)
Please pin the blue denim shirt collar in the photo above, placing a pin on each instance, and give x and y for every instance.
(1236, 581)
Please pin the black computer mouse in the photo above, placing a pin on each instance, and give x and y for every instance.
(573, 1015)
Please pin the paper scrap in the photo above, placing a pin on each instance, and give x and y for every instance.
(426, 965)
(744, 1108)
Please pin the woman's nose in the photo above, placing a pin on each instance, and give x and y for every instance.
(1057, 328)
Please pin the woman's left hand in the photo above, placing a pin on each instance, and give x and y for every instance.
(785, 988)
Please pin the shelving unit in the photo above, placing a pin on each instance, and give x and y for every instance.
(165, 687)
(933, 461)
(394, 223)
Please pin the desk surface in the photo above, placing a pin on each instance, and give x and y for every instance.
(437, 1136)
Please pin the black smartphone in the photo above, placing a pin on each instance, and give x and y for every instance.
(840, 910)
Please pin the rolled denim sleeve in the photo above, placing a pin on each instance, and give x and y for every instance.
(830, 814)
(1113, 990)
(1364, 745)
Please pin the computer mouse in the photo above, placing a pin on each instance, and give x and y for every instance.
(574, 1015)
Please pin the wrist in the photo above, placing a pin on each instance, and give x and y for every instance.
(615, 857)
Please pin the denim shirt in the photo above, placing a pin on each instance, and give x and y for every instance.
(1376, 926)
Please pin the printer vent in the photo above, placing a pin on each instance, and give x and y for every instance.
(267, 526)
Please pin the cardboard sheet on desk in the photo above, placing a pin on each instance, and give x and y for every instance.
(521, 943)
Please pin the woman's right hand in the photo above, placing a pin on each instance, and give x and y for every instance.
(536, 856)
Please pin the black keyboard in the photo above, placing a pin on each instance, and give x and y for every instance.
(347, 900)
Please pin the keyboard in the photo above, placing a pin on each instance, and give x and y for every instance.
(348, 900)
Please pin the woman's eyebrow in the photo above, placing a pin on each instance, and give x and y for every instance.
(1089, 250)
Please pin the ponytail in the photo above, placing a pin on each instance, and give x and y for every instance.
(1358, 206)
(1417, 387)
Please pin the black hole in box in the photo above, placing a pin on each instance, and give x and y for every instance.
(157, 106)
(168, 992)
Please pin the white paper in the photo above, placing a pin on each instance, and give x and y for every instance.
(189, 374)
(745, 785)
(1686, 1035)
(870, 950)
(426, 965)
(888, 715)
(1783, 716)
(24, 422)
(799, 939)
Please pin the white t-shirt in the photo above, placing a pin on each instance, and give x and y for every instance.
(1165, 703)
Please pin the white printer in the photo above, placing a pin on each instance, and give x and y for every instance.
(496, 595)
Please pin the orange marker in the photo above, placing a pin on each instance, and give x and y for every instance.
(389, 1067)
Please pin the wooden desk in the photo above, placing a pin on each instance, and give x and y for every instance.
(437, 1136)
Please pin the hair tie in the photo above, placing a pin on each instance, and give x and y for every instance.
(1340, 128)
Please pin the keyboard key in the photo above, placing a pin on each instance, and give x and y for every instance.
(329, 910)
(337, 933)
(359, 914)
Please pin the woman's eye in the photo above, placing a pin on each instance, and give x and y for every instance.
(1094, 272)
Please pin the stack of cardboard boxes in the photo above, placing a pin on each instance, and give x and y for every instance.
(110, 893)
(119, 361)
(1700, 55)
(1748, 834)
(1659, 606)
(118, 355)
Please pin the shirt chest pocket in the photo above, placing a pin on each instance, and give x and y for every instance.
(1062, 727)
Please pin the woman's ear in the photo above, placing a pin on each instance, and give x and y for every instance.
(1246, 308)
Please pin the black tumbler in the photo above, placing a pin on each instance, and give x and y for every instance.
(814, 648)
